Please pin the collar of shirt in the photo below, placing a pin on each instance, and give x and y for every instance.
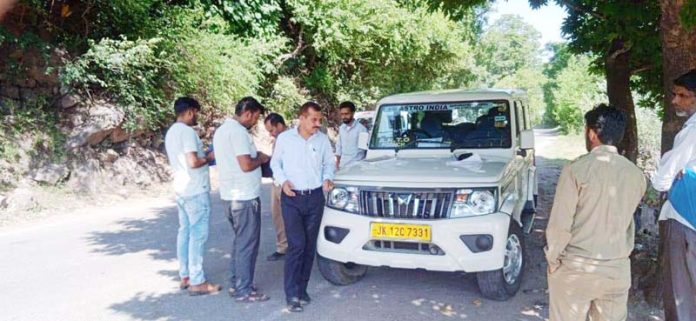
(606, 149)
(690, 121)
(351, 125)
(296, 131)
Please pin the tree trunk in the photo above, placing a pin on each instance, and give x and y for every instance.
(678, 57)
(618, 74)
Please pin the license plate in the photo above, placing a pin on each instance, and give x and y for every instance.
(386, 231)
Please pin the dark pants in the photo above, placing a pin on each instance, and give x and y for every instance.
(302, 217)
(245, 217)
(679, 271)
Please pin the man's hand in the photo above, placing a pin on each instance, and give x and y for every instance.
(328, 185)
(552, 268)
(679, 176)
(287, 189)
(210, 156)
(263, 158)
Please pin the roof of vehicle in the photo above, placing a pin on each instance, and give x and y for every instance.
(453, 95)
(365, 114)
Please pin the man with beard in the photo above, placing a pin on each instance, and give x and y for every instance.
(240, 186)
(676, 230)
(303, 164)
(192, 187)
(591, 230)
(347, 151)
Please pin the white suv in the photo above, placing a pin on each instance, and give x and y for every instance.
(448, 184)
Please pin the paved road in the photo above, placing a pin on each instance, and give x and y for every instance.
(119, 264)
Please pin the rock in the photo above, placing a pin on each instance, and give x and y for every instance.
(99, 124)
(121, 135)
(21, 199)
(69, 101)
(3, 202)
(51, 174)
(109, 156)
(86, 176)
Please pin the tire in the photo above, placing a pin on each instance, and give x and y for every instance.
(502, 284)
(340, 273)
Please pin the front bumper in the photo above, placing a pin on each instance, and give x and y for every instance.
(445, 235)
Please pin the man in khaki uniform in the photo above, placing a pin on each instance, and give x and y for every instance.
(275, 125)
(590, 231)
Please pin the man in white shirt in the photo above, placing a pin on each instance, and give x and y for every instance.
(679, 237)
(240, 186)
(347, 151)
(192, 188)
(303, 164)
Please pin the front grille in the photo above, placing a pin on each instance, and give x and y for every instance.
(403, 247)
(406, 204)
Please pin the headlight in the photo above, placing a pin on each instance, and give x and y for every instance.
(472, 202)
(344, 198)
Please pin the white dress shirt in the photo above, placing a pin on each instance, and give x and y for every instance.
(674, 161)
(306, 163)
(347, 144)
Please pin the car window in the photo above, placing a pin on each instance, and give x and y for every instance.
(467, 124)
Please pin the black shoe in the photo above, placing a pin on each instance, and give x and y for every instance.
(275, 256)
(294, 305)
(305, 299)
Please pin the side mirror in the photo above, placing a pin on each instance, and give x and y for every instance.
(363, 138)
(527, 139)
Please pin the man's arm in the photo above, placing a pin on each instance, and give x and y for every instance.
(558, 231)
(242, 146)
(248, 164)
(194, 161)
(328, 165)
(674, 161)
(276, 162)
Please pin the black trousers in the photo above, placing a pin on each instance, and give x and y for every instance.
(302, 217)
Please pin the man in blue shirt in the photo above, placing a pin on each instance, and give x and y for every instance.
(347, 151)
(303, 164)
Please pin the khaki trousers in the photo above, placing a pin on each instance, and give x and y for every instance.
(277, 216)
(580, 291)
(678, 271)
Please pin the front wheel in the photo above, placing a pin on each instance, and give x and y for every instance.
(504, 283)
(340, 273)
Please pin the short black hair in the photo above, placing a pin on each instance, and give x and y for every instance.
(347, 104)
(687, 80)
(608, 122)
(275, 119)
(248, 104)
(182, 104)
(309, 105)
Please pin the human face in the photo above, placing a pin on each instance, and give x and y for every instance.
(250, 118)
(346, 115)
(274, 130)
(684, 101)
(310, 122)
(191, 117)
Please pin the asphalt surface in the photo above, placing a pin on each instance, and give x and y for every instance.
(120, 264)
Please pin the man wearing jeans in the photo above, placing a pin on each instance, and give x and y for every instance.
(192, 187)
(240, 185)
(303, 164)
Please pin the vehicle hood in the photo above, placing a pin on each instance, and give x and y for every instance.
(425, 170)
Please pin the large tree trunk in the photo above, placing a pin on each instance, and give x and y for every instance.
(678, 57)
(618, 73)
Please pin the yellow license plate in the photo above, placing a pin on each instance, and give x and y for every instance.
(386, 231)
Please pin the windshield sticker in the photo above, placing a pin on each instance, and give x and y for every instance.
(433, 107)
(500, 118)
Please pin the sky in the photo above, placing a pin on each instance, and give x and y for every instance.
(546, 19)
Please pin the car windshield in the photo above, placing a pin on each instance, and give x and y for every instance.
(468, 124)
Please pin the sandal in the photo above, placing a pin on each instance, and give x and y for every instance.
(233, 292)
(185, 283)
(252, 298)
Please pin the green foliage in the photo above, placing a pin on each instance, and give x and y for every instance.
(576, 91)
(359, 45)
(688, 14)
(509, 45)
(34, 120)
(248, 18)
(133, 73)
(286, 97)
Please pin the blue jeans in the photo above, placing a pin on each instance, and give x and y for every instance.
(194, 215)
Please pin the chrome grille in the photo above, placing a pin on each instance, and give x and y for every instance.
(406, 204)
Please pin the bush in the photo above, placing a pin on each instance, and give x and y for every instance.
(134, 73)
(286, 97)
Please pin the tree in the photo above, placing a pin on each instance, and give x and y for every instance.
(678, 38)
(622, 36)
